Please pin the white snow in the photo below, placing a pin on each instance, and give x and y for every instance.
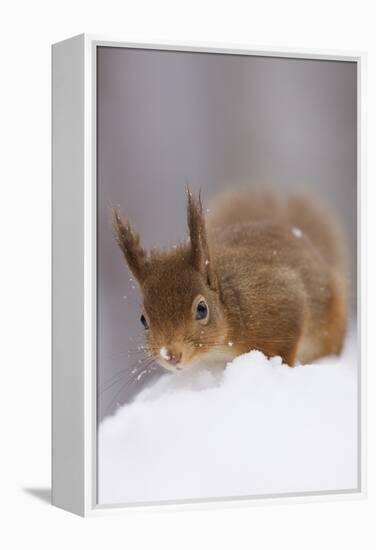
(164, 353)
(257, 428)
(297, 232)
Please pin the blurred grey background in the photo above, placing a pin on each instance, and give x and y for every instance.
(168, 118)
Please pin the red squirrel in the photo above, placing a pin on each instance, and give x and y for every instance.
(259, 271)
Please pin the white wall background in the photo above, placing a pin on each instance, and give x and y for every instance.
(27, 29)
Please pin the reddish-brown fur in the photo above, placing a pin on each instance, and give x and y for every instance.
(271, 271)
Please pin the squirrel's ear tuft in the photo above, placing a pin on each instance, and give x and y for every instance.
(129, 243)
(200, 253)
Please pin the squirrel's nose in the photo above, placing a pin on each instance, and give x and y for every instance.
(170, 356)
(175, 358)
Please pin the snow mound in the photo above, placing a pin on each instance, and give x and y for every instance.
(257, 428)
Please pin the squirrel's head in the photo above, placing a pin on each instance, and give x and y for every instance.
(182, 314)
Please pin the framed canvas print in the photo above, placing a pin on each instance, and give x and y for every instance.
(207, 212)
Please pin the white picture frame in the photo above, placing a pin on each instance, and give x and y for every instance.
(74, 424)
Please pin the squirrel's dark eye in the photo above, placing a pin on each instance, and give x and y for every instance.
(201, 311)
(144, 321)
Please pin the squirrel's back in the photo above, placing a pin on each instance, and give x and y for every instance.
(300, 212)
(285, 258)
